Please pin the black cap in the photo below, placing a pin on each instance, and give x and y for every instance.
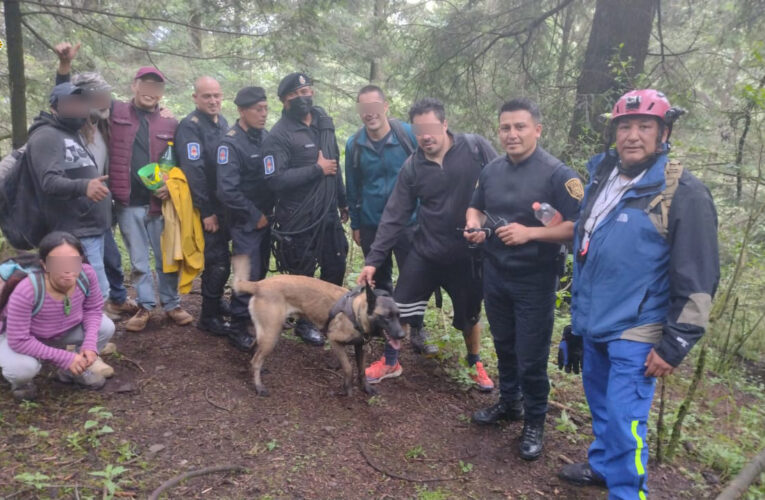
(248, 96)
(292, 82)
(62, 90)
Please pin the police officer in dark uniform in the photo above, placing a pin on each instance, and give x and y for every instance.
(196, 141)
(300, 166)
(524, 260)
(247, 200)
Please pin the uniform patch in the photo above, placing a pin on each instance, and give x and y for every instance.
(222, 155)
(575, 189)
(194, 119)
(269, 165)
(231, 133)
(193, 150)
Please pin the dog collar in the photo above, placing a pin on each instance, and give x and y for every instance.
(345, 306)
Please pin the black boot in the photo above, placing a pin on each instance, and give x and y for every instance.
(239, 335)
(499, 411)
(419, 338)
(211, 321)
(224, 307)
(309, 333)
(532, 439)
(581, 475)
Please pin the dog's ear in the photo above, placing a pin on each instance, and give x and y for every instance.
(371, 299)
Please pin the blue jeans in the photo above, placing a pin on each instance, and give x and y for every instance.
(142, 232)
(620, 398)
(113, 267)
(521, 310)
(94, 251)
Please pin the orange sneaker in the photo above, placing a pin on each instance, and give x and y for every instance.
(481, 379)
(379, 371)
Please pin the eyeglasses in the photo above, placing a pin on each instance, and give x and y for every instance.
(63, 264)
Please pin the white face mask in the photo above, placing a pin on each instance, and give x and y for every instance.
(99, 114)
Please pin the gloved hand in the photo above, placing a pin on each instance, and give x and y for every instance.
(570, 351)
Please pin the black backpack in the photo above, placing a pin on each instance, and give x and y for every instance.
(403, 138)
(21, 217)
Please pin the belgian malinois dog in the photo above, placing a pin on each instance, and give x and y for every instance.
(349, 317)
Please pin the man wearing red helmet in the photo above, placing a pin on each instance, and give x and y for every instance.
(645, 272)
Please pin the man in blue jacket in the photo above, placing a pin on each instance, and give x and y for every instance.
(645, 271)
(373, 158)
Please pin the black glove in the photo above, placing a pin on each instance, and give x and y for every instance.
(570, 351)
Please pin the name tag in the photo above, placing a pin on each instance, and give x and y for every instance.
(308, 146)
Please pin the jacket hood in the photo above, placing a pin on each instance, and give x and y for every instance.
(46, 118)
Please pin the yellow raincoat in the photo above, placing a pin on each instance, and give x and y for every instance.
(183, 242)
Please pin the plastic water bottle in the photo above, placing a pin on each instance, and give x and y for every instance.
(546, 214)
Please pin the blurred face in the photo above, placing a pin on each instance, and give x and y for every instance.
(147, 92)
(431, 133)
(63, 265)
(208, 96)
(72, 106)
(637, 138)
(372, 110)
(100, 104)
(518, 134)
(255, 116)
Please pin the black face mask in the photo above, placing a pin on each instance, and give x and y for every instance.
(71, 123)
(300, 106)
(634, 170)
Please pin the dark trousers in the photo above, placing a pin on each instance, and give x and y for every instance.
(217, 268)
(384, 273)
(257, 245)
(330, 249)
(520, 310)
(113, 268)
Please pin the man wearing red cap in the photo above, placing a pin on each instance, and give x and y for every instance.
(645, 270)
(139, 135)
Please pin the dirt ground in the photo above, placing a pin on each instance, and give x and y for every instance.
(183, 400)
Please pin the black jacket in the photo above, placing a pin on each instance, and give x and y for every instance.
(196, 144)
(62, 169)
(241, 181)
(444, 193)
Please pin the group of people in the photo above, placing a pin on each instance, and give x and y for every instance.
(456, 215)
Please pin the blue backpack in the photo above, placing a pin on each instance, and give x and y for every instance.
(15, 269)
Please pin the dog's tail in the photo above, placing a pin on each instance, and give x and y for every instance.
(242, 283)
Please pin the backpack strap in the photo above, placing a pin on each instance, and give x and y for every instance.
(673, 170)
(402, 136)
(83, 283)
(38, 286)
(478, 153)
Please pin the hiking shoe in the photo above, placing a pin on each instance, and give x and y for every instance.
(501, 410)
(114, 310)
(109, 348)
(581, 474)
(26, 392)
(419, 339)
(179, 316)
(138, 322)
(101, 368)
(532, 439)
(481, 379)
(379, 371)
(88, 379)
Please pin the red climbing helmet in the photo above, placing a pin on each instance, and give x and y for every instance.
(643, 102)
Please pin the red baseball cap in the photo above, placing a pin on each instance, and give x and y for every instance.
(149, 70)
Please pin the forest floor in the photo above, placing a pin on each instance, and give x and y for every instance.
(182, 400)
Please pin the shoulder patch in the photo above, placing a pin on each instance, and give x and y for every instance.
(269, 165)
(575, 189)
(231, 133)
(194, 119)
(193, 151)
(222, 155)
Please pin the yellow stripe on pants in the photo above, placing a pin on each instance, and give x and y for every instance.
(638, 451)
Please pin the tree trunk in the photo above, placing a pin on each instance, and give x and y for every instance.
(620, 31)
(568, 21)
(16, 78)
(375, 71)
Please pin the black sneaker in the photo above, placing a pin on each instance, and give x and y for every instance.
(216, 326)
(581, 475)
(499, 411)
(419, 339)
(532, 440)
(309, 333)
